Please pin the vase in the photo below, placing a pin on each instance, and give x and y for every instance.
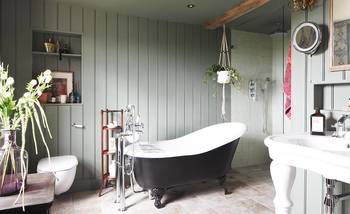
(11, 177)
(223, 77)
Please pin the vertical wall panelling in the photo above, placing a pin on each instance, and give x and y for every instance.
(37, 14)
(112, 50)
(23, 46)
(8, 43)
(180, 78)
(204, 87)
(100, 78)
(277, 76)
(122, 61)
(308, 190)
(76, 21)
(143, 54)
(162, 80)
(88, 86)
(64, 12)
(298, 112)
(196, 84)
(52, 118)
(152, 79)
(133, 59)
(50, 15)
(219, 89)
(317, 60)
(64, 141)
(212, 86)
(172, 81)
(189, 57)
(77, 138)
(156, 65)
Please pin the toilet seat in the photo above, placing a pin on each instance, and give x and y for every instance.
(58, 163)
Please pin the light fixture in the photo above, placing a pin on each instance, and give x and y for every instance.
(190, 6)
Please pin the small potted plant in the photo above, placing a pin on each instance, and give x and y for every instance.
(223, 75)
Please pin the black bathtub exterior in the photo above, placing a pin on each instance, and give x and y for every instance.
(160, 174)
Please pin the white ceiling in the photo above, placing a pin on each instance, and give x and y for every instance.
(171, 10)
(176, 11)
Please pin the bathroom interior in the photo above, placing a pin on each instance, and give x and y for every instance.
(190, 106)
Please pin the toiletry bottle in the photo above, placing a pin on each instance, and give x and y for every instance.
(318, 123)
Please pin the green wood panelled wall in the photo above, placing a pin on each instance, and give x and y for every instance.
(156, 65)
(308, 190)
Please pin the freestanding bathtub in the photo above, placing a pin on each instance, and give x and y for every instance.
(199, 156)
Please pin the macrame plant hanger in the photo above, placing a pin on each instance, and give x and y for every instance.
(224, 61)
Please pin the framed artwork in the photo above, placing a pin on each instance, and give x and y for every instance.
(62, 83)
(339, 30)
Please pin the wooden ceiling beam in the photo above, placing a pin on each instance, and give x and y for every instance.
(244, 7)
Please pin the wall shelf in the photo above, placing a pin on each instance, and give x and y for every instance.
(63, 33)
(55, 54)
(65, 62)
(62, 104)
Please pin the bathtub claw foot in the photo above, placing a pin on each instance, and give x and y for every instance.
(227, 191)
(222, 182)
(157, 194)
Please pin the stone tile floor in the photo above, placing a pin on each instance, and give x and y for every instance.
(252, 194)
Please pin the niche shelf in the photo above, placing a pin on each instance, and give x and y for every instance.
(55, 54)
(69, 64)
(332, 97)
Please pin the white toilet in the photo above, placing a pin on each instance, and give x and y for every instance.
(64, 168)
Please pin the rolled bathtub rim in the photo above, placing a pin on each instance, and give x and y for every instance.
(194, 143)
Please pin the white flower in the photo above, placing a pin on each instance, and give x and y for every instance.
(2, 66)
(7, 94)
(10, 81)
(3, 75)
(47, 72)
(39, 93)
(33, 83)
(26, 95)
(48, 79)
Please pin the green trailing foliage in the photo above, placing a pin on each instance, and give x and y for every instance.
(211, 74)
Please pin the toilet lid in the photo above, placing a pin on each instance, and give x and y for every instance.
(58, 163)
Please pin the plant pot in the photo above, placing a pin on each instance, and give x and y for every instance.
(11, 182)
(50, 47)
(44, 97)
(223, 77)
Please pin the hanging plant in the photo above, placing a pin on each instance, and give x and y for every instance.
(302, 4)
(224, 74)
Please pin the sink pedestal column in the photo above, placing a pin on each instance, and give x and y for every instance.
(283, 178)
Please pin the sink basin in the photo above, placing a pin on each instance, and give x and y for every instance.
(313, 142)
(325, 155)
(321, 154)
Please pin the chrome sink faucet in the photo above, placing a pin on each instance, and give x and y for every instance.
(340, 126)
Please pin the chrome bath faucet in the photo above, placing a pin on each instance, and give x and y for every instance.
(340, 126)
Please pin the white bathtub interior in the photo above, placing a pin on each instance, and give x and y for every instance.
(197, 142)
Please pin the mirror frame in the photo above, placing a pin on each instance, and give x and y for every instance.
(316, 44)
(332, 67)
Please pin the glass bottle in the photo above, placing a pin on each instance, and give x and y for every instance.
(318, 123)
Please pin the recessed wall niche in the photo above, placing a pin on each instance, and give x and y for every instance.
(62, 54)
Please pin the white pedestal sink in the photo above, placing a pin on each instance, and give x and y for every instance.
(327, 156)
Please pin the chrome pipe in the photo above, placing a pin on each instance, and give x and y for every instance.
(329, 200)
(121, 175)
(133, 125)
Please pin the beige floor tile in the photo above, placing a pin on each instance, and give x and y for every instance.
(252, 193)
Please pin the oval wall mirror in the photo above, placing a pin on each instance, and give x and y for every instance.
(307, 38)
